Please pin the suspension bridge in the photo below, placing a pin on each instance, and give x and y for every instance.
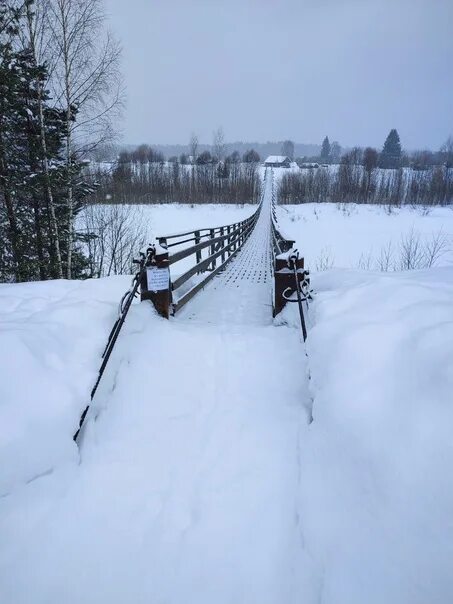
(187, 486)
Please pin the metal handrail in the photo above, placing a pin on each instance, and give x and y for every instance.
(200, 246)
(124, 307)
(279, 243)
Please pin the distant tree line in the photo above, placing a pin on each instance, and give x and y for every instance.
(142, 176)
(390, 156)
(359, 179)
(370, 176)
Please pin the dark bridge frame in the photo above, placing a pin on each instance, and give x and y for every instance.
(222, 243)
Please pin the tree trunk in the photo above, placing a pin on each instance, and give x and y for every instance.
(14, 231)
(67, 87)
(56, 253)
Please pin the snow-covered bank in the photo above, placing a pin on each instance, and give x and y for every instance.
(201, 479)
(363, 236)
(53, 334)
(187, 485)
(376, 497)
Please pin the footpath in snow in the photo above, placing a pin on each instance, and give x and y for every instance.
(190, 462)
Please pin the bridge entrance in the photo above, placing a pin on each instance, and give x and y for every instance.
(190, 450)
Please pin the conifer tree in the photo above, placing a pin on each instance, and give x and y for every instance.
(390, 156)
(325, 150)
(33, 172)
(13, 169)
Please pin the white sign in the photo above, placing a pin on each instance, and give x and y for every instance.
(158, 278)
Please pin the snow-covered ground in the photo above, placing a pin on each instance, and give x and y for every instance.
(200, 477)
(366, 236)
(376, 494)
(53, 334)
(187, 483)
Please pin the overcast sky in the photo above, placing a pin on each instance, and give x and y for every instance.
(276, 69)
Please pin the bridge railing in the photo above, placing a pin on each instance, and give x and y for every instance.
(290, 275)
(195, 257)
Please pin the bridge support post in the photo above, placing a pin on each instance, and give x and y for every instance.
(284, 279)
(229, 241)
(213, 263)
(198, 252)
(155, 283)
(222, 244)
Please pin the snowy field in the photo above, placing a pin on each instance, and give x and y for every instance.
(168, 218)
(367, 236)
(202, 478)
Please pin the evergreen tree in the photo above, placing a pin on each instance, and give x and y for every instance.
(335, 152)
(390, 156)
(251, 157)
(325, 150)
(288, 149)
(33, 175)
(13, 265)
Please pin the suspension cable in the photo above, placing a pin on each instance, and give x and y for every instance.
(124, 306)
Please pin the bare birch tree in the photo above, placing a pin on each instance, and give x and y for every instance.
(86, 83)
(218, 144)
(193, 147)
(117, 232)
(39, 44)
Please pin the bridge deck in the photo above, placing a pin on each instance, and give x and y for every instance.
(242, 293)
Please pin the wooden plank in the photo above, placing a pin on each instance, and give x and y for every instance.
(174, 235)
(200, 246)
(191, 293)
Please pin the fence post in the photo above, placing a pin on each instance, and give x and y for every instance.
(213, 263)
(284, 279)
(198, 252)
(223, 245)
(155, 283)
(229, 240)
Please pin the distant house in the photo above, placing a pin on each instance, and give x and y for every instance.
(277, 161)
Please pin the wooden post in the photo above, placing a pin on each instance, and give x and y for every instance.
(229, 240)
(284, 278)
(212, 248)
(155, 284)
(198, 252)
(222, 243)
